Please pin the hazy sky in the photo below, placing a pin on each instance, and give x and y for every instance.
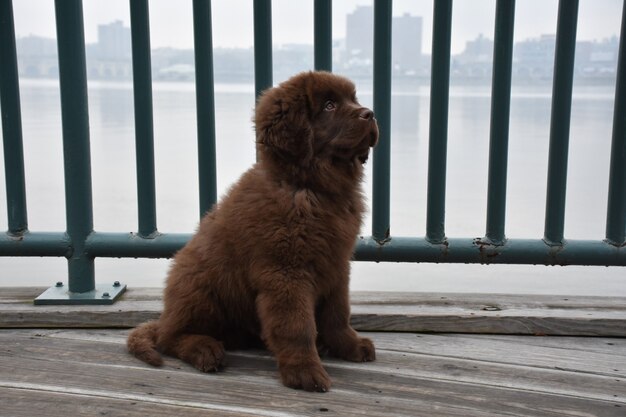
(171, 21)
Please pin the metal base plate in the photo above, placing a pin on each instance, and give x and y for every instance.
(103, 294)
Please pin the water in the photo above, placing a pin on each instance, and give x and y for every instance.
(114, 189)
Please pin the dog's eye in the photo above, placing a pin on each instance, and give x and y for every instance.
(330, 105)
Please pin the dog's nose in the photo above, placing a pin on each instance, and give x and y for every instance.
(366, 114)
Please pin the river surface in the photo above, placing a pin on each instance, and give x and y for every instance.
(114, 187)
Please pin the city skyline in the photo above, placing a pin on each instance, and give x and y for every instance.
(171, 22)
(110, 57)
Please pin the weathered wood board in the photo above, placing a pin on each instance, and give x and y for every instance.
(411, 312)
(88, 373)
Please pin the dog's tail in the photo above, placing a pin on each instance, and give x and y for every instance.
(142, 343)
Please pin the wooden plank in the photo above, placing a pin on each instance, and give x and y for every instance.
(599, 356)
(516, 351)
(490, 313)
(414, 312)
(480, 360)
(585, 345)
(480, 300)
(25, 295)
(457, 381)
(33, 401)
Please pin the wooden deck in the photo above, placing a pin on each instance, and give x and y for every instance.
(57, 369)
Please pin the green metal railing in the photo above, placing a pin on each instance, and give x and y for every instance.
(80, 244)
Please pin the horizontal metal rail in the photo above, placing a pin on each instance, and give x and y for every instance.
(515, 251)
(36, 244)
(397, 249)
(80, 244)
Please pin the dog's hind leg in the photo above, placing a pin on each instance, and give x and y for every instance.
(202, 351)
(141, 342)
(185, 332)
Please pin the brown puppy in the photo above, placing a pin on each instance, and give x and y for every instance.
(270, 262)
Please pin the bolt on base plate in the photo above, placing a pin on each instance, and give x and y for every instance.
(60, 294)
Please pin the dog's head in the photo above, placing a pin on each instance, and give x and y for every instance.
(314, 115)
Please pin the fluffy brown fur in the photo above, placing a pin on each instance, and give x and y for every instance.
(270, 262)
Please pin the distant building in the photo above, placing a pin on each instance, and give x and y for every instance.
(37, 57)
(476, 60)
(32, 45)
(597, 59)
(406, 40)
(114, 41)
(110, 57)
(477, 50)
(360, 39)
(290, 59)
(534, 58)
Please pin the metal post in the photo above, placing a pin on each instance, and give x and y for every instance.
(438, 141)
(499, 133)
(76, 155)
(616, 212)
(323, 42)
(382, 109)
(76, 149)
(144, 131)
(560, 121)
(262, 45)
(205, 104)
(12, 124)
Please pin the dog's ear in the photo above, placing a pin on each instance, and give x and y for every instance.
(282, 122)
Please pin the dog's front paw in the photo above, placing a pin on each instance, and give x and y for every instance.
(309, 377)
(361, 350)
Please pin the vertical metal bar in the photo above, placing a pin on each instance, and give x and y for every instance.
(382, 109)
(500, 109)
(560, 120)
(616, 212)
(322, 35)
(76, 148)
(205, 103)
(12, 123)
(144, 132)
(438, 140)
(262, 45)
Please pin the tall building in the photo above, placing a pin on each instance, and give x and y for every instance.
(406, 40)
(360, 33)
(114, 41)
